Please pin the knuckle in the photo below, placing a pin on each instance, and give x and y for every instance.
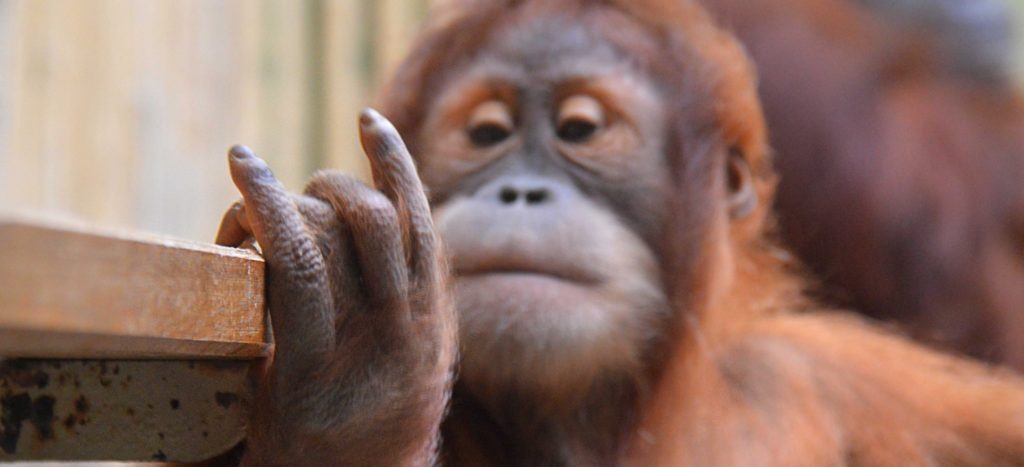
(324, 175)
(299, 260)
(327, 183)
(317, 214)
(235, 212)
(257, 174)
(376, 211)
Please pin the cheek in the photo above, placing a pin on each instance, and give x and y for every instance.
(446, 173)
(621, 154)
(441, 171)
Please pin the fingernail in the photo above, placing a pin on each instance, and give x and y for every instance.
(368, 117)
(239, 151)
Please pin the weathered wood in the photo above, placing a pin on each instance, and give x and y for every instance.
(121, 410)
(72, 292)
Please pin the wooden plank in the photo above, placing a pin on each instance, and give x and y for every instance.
(74, 292)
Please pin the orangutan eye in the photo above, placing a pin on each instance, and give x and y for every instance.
(490, 123)
(488, 135)
(579, 118)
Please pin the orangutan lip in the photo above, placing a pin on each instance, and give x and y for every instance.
(524, 272)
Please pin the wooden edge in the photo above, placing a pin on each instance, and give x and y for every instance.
(23, 219)
(73, 291)
(30, 343)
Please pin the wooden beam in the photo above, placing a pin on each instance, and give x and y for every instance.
(74, 292)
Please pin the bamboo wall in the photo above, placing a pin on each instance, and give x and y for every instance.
(119, 112)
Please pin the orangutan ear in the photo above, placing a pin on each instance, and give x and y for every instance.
(741, 196)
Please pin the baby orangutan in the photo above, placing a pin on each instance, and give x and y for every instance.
(608, 289)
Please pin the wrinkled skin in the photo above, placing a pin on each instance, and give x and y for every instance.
(355, 283)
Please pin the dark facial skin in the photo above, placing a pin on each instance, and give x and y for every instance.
(537, 171)
(540, 170)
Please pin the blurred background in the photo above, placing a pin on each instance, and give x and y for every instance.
(120, 112)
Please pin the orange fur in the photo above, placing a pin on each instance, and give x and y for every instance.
(612, 306)
(756, 375)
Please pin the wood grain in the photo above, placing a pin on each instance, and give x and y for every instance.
(74, 292)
